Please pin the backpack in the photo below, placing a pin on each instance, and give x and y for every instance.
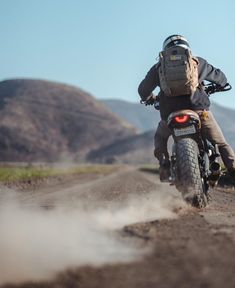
(178, 72)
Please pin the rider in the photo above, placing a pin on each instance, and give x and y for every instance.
(198, 102)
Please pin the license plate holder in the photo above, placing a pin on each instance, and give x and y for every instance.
(184, 131)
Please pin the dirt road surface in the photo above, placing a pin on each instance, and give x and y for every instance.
(156, 239)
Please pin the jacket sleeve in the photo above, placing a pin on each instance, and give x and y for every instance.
(150, 82)
(210, 73)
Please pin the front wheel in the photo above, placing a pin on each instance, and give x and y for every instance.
(188, 176)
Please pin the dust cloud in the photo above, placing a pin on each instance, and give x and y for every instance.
(35, 243)
(153, 206)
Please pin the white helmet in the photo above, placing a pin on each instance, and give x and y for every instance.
(175, 40)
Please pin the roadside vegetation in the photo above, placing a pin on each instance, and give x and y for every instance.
(10, 173)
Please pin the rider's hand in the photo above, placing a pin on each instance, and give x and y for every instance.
(151, 99)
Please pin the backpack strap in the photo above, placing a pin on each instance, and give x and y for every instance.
(163, 83)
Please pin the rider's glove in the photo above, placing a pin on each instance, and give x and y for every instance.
(150, 100)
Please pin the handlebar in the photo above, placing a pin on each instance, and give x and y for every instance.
(144, 102)
(213, 88)
(210, 88)
(153, 101)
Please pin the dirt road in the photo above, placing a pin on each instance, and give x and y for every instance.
(159, 240)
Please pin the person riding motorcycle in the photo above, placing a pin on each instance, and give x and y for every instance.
(198, 101)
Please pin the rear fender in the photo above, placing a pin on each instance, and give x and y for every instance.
(193, 118)
(185, 124)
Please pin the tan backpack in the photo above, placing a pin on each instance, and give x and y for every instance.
(178, 71)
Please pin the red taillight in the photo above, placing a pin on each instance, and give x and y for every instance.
(181, 119)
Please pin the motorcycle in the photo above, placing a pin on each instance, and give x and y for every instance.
(193, 163)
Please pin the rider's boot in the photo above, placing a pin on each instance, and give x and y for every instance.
(164, 169)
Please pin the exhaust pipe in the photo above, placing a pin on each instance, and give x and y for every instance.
(215, 169)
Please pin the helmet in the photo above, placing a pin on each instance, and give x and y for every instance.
(175, 40)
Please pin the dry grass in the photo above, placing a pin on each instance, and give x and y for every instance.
(17, 173)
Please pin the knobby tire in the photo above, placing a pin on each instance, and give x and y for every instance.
(189, 181)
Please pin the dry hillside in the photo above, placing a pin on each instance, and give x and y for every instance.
(46, 121)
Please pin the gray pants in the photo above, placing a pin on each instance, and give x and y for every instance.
(210, 130)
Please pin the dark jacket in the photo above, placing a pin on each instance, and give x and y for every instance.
(198, 101)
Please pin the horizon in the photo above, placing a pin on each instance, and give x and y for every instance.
(101, 99)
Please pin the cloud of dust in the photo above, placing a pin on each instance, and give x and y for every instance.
(35, 244)
(153, 206)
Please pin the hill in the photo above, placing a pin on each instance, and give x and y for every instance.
(132, 150)
(146, 118)
(139, 148)
(142, 117)
(47, 121)
(226, 119)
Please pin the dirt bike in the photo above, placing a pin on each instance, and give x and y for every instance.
(193, 163)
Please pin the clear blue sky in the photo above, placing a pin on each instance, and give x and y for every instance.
(107, 46)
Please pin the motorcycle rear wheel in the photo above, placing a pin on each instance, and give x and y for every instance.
(189, 181)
